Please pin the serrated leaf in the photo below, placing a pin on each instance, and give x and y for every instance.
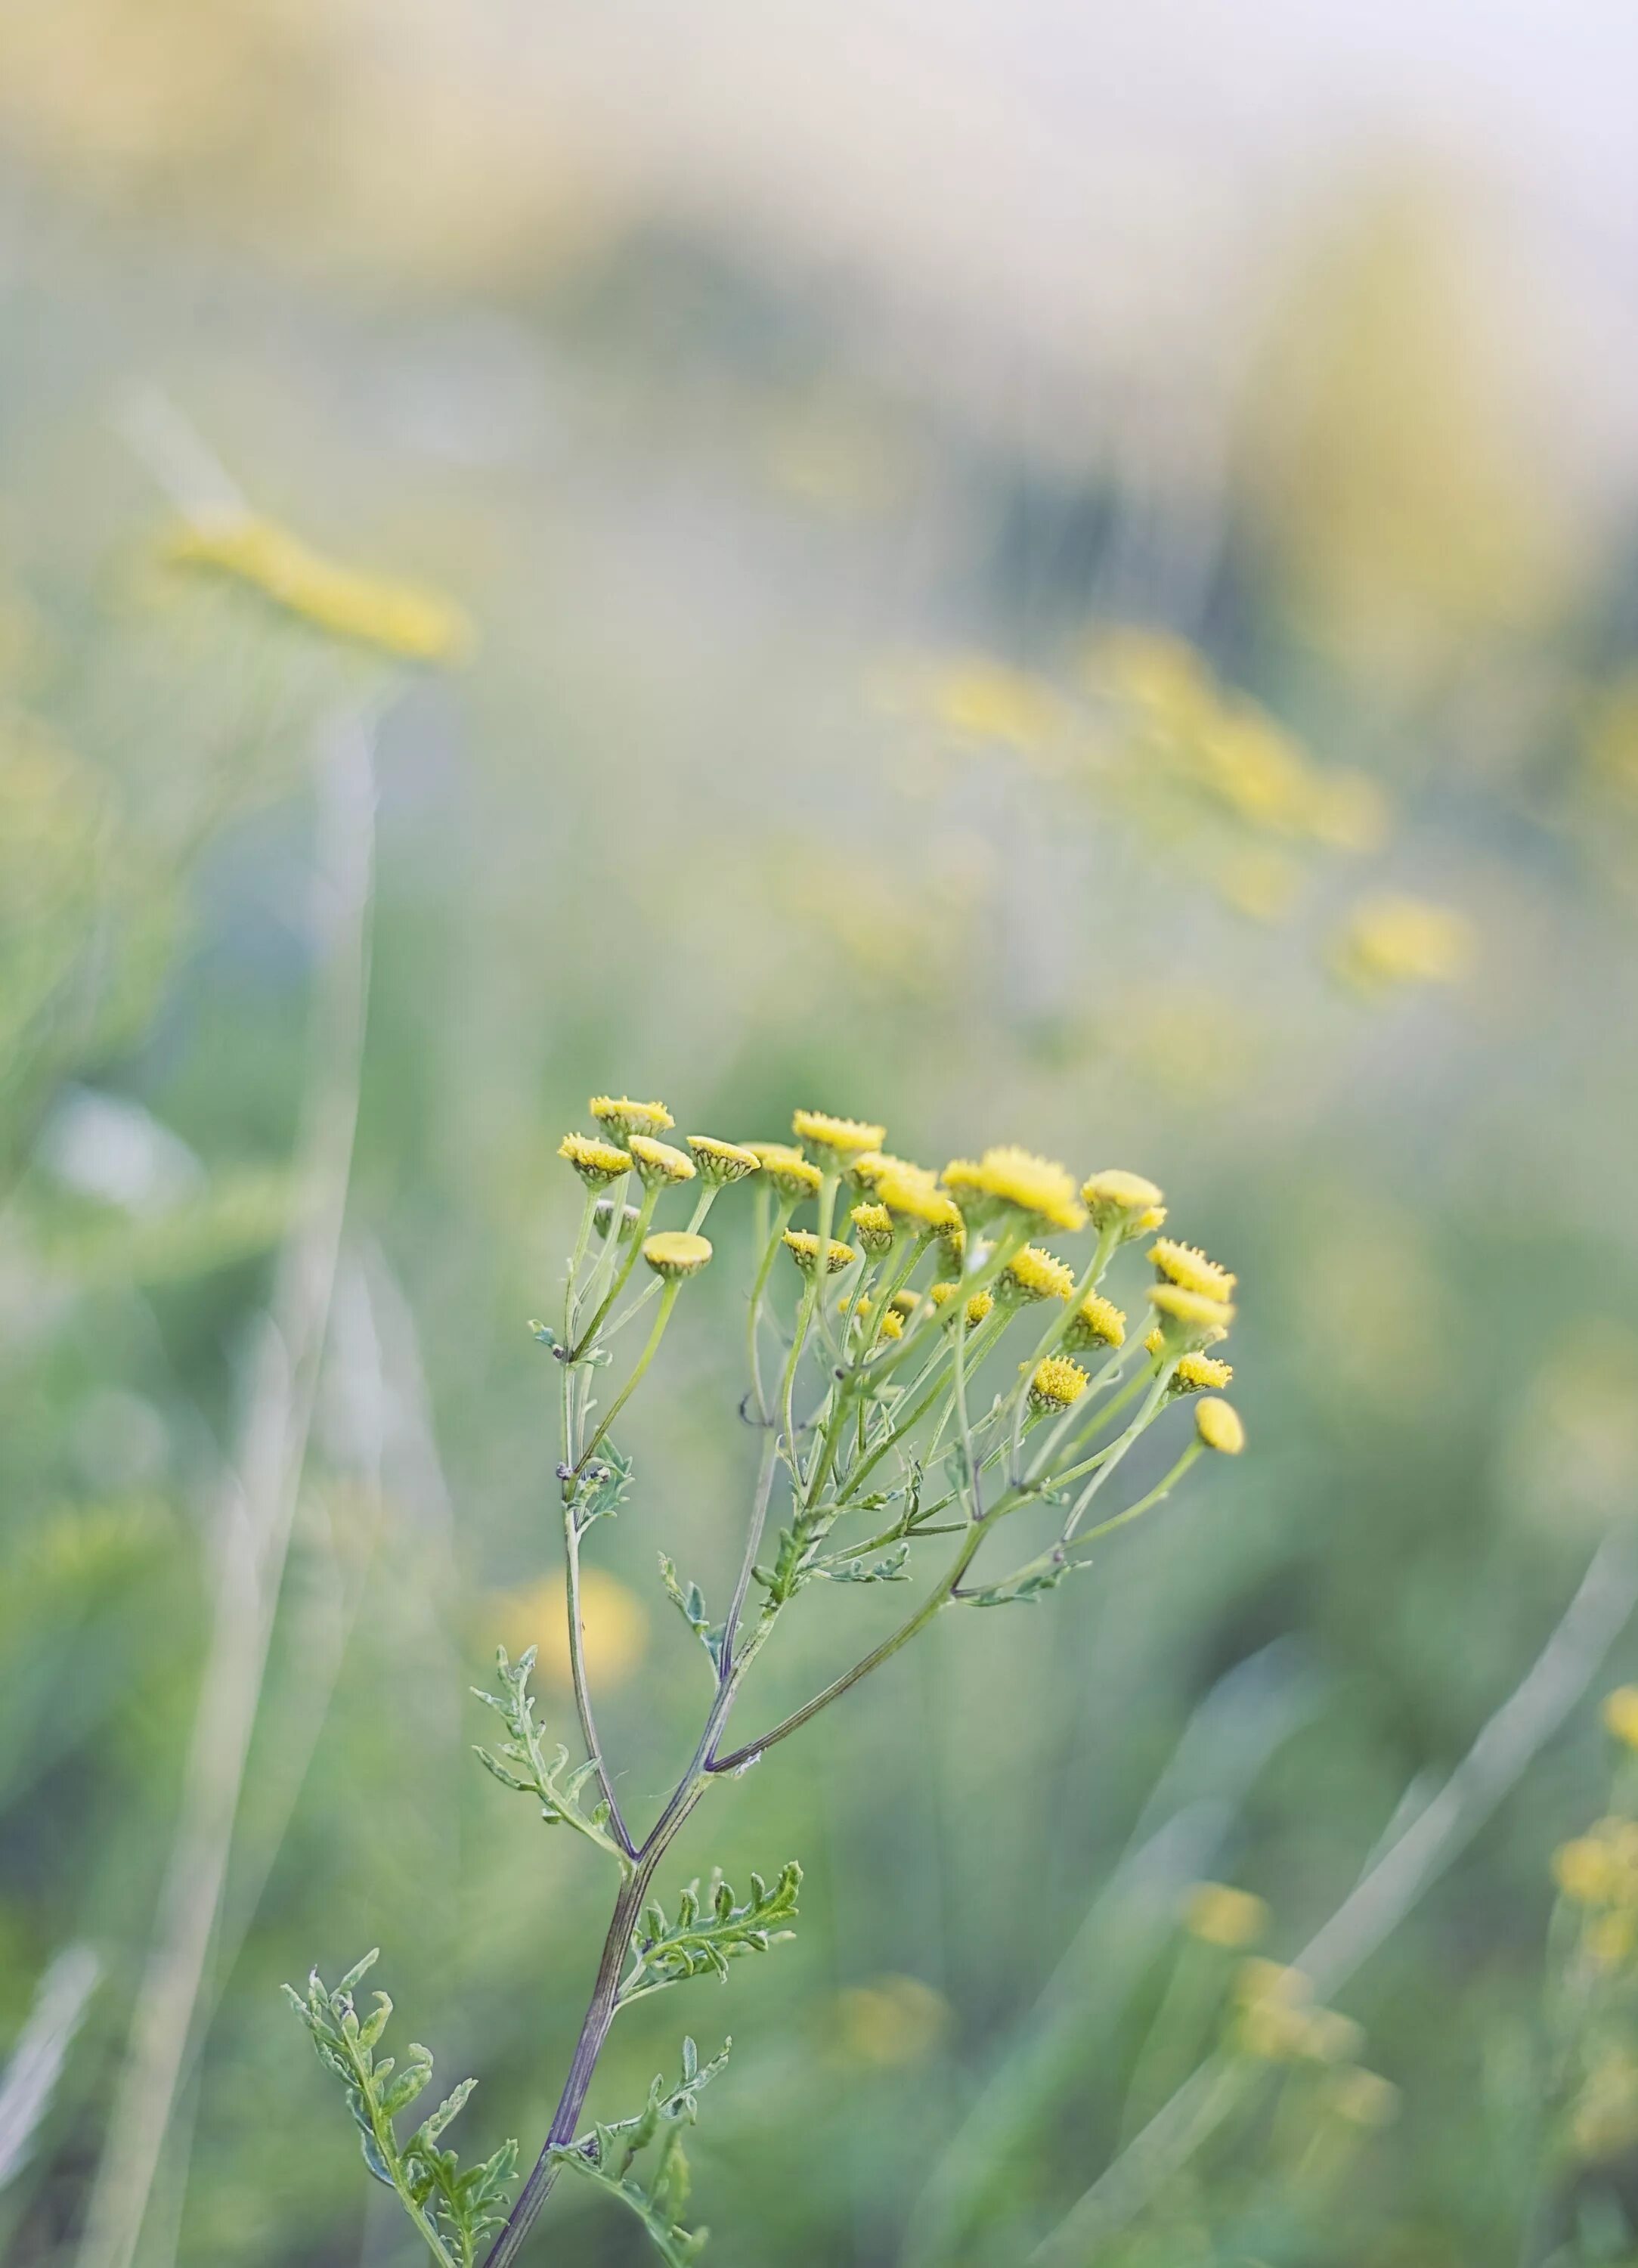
(706, 1935)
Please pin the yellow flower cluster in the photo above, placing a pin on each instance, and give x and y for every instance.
(1096, 1321)
(597, 1163)
(978, 1306)
(1279, 2021)
(1011, 1180)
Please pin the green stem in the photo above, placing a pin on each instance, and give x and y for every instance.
(753, 1346)
(639, 1229)
(668, 1301)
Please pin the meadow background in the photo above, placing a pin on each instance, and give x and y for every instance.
(807, 413)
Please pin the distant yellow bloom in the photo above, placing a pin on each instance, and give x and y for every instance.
(1610, 1937)
(1117, 1199)
(892, 2021)
(1364, 2098)
(1218, 1426)
(1201, 1374)
(721, 1162)
(1189, 1318)
(597, 1163)
(615, 1620)
(1257, 1979)
(803, 1245)
(1034, 1274)
(978, 1306)
(1096, 1321)
(1008, 1177)
(873, 1226)
(892, 1325)
(787, 1170)
(1620, 1714)
(1219, 1915)
(906, 1302)
(1057, 1384)
(1587, 1871)
(841, 1139)
(1331, 2037)
(657, 1163)
(983, 700)
(1187, 1265)
(1399, 940)
(620, 1116)
(676, 1252)
(412, 624)
(913, 1194)
(870, 1165)
(1348, 811)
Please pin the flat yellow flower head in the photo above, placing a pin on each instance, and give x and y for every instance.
(673, 1253)
(1189, 1319)
(1097, 1321)
(1184, 1264)
(978, 1306)
(719, 1163)
(1219, 1915)
(1218, 1426)
(838, 1141)
(597, 1163)
(892, 1326)
(1033, 1274)
(619, 1116)
(803, 1245)
(913, 1194)
(1057, 1384)
(1007, 1179)
(1122, 1201)
(1201, 1374)
(873, 1226)
(395, 618)
(1620, 1714)
(657, 1164)
(786, 1170)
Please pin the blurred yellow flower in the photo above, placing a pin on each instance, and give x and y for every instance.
(983, 700)
(1186, 1264)
(1620, 1714)
(1219, 1426)
(414, 625)
(615, 1621)
(1218, 1914)
(619, 1116)
(1392, 940)
(842, 1139)
(1034, 1274)
(1008, 1176)
(892, 2021)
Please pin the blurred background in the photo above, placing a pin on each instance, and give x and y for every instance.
(1043, 573)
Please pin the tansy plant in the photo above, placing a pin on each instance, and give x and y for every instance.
(924, 1377)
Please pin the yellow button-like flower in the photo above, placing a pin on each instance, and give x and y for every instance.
(657, 1163)
(1128, 1202)
(1034, 1274)
(719, 1163)
(1187, 1266)
(1008, 1178)
(1189, 1319)
(838, 1140)
(1620, 1714)
(978, 1306)
(673, 1253)
(1218, 1426)
(873, 1226)
(1201, 1374)
(913, 1194)
(597, 1163)
(620, 1116)
(1097, 1321)
(892, 1326)
(1396, 941)
(803, 1245)
(786, 1170)
(1219, 1915)
(1057, 1384)
(1364, 2098)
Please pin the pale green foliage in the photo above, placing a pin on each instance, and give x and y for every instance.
(453, 2210)
(608, 2154)
(523, 1764)
(709, 1931)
